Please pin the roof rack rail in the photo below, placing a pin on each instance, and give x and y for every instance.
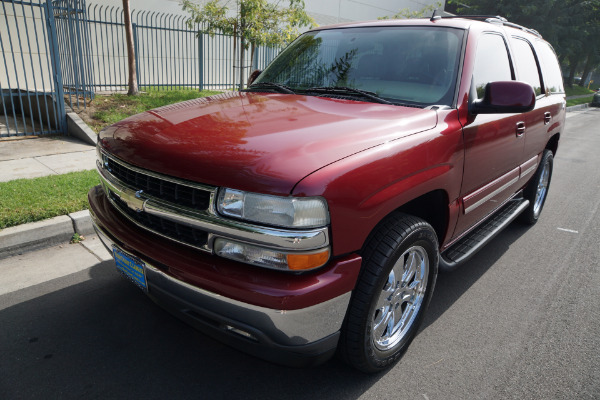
(494, 19)
(477, 17)
(532, 31)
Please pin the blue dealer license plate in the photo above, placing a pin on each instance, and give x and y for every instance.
(130, 266)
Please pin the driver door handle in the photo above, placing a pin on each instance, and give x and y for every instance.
(520, 128)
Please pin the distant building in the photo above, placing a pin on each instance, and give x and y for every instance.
(324, 12)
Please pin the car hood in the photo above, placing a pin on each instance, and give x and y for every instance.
(257, 142)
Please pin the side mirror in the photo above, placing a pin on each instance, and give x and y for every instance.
(505, 97)
(253, 76)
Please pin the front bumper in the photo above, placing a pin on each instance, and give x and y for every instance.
(284, 318)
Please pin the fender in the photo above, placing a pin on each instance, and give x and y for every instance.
(363, 189)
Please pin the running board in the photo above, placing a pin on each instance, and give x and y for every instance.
(467, 246)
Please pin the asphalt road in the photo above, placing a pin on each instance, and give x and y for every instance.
(520, 320)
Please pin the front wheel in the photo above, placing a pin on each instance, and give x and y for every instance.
(537, 190)
(400, 264)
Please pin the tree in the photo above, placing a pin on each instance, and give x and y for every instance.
(587, 69)
(255, 23)
(133, 87)
(405, 13)
(592, 47)
(571, 26)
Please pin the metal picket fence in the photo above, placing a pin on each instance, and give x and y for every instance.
(169, 54)
(74, 53)
(30, 92)
(64, 51)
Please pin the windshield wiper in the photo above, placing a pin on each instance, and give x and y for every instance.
(344, 90)
(271, 85)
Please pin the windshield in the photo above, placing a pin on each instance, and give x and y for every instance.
(405, 65)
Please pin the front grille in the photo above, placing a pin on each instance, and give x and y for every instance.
(176, 193)
(171, 229)
(170, 191)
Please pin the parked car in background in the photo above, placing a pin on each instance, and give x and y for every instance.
(310, 213)
(596, 100)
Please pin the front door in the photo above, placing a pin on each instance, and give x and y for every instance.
(493, 142)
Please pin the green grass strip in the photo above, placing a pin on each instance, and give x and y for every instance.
(576, 90)
(30, 200)
(581, 100)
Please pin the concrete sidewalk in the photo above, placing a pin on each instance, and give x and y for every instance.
(35, 157)
(579, 96)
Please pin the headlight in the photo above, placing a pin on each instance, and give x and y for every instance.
(101, 156)
(288, 212)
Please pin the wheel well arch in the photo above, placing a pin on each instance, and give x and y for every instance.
(552, 144)
(432, 207)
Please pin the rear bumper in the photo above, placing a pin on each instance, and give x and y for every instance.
(288, 319)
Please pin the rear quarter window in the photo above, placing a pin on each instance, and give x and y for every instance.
(552, 75)
(527, 66)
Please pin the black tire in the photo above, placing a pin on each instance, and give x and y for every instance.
(537, 189)
(367, 343)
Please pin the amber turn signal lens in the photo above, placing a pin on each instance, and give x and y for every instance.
(299, 262)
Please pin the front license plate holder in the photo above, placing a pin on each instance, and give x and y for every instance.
(131, 267)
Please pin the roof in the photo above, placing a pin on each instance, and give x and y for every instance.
(456, 21)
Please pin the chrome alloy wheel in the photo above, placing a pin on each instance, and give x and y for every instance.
(400, 299)
(542, 189)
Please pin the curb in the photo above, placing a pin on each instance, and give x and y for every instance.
(578, 107)
(78, 128)
(23, 238)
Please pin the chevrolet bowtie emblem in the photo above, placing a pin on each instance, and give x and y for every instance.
(135, 202)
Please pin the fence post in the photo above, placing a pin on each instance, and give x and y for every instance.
(255, 59)
(201, 61)
(137, 57)
(56, 67)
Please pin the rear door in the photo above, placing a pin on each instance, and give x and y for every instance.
(535, 136)
(553, 101)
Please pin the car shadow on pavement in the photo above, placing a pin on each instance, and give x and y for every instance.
(101, 337)
(450, 286)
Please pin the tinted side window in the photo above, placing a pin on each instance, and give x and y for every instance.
(550, 68)
(491, 63)
(526, 64)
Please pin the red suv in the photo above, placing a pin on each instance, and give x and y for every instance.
(311, 212)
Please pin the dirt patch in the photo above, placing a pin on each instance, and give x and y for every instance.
(87, 115)
(107, 109)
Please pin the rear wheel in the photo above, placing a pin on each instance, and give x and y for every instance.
(537, 190)
(399, 271)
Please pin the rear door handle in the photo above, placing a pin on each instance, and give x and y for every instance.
(520, 128)
(547, 118)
